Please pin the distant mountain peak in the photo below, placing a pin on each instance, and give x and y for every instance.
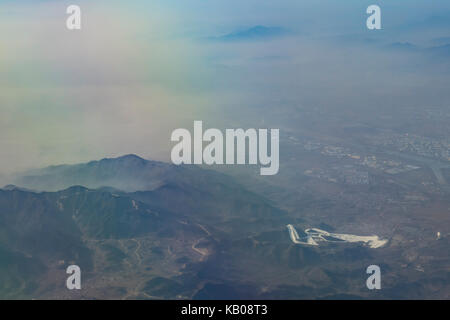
(257, 32)
(12, 187)
(402, 46)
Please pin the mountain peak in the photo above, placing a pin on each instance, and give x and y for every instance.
(131, 156)
(75, 188)
(126, 157)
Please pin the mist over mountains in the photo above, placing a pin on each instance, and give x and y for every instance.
(187, 189)
(127, 173)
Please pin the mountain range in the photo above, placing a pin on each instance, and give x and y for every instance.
(71, 212)
(141, 229)
(255, 33)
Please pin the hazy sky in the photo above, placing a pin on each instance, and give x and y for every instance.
(139, 69)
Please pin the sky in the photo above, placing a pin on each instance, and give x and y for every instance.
(137, 71)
